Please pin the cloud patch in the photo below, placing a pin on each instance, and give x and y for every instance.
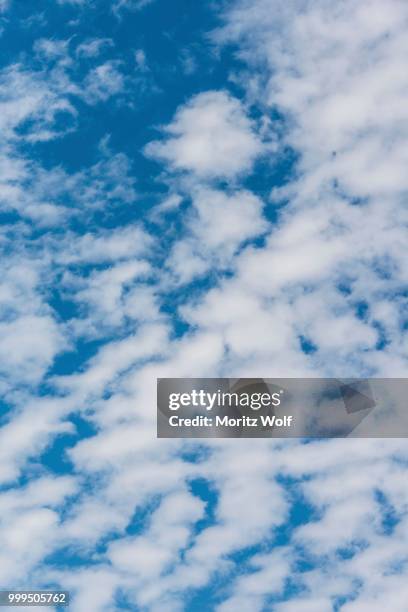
(210, 136)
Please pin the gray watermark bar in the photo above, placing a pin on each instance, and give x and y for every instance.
(282, 408)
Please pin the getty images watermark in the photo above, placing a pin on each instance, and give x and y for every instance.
(220, 399)
(285, 407)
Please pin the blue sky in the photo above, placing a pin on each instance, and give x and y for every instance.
(199, 189)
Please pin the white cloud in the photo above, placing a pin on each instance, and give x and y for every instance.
(148, 555)
(30, 526)
(217, 226)
(26, 95)
(136, 5)
(140, 59)
(222, 222)
(269, 572)
(107, 246)
(210, 136)
(93, 47)
(29, 344)
(113, 295)
(49, 197)
(25, 541)
(31, 337)
(50, 49)
(72, 1)
(103, 82)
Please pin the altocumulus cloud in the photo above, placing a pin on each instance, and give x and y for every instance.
(210, 136)
(108, 283)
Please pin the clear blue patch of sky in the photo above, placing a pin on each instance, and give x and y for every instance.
(55, 457)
